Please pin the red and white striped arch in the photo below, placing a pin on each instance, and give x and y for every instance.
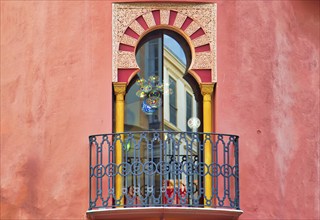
(195, 22)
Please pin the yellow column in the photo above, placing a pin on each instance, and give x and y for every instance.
(206, 91)
(119, 91)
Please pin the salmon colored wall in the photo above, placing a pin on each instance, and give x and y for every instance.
(56, 90)
(268, 93)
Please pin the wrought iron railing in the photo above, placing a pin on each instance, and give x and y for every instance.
(164, 169)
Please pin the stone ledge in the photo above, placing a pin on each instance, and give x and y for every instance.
(165, 213)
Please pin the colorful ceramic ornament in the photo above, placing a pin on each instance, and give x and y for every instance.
(154, 79)
(141, 94)
(146, 88)
(154, 94)
(151, 91)
(153, 102)
(140, 82)
(147, 109)
(159, 87)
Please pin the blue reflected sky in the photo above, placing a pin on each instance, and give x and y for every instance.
(175, 48)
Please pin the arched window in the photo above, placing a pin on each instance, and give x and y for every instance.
(163, 96)
(160, 95)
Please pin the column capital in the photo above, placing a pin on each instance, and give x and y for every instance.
(206, 88)
(119, 88)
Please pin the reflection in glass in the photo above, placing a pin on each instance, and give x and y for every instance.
(168, 103)
(159, 98)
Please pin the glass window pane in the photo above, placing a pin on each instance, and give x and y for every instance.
(173, 101)
(150, 65)
(162, 54)
(189, 107)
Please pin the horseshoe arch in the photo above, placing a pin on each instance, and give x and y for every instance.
(195, 22)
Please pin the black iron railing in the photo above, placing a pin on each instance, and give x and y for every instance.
(164, 169)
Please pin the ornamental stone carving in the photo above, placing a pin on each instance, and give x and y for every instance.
(164, 16)
(126, 39)
(206, 91)
(149, 19)
(136, 27)
(127, 60)
(192, 28)
(119, 88)
(206, 88)
(203, 61)
(180, 18)
(199, 41)
(202, 15)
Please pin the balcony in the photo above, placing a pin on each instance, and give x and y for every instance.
(164, 175)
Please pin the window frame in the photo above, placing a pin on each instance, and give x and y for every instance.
(175, 105)
(191, 108)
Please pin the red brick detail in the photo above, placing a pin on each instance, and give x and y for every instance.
(125, 47)
(142, 22)
(202, 48)
(172, 18)
(131, 33)
(196, 34)
(156, 16)
(186, 23)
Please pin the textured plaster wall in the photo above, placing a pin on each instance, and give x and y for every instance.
(56, 90)
(268, 93)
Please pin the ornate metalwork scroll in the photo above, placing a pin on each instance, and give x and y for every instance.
(164, 169)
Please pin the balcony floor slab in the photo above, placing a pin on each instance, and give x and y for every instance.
(164, 213)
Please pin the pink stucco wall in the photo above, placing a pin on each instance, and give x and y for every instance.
(268, 93)
(56, 90)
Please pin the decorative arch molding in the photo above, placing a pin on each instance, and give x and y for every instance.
(195, 22)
